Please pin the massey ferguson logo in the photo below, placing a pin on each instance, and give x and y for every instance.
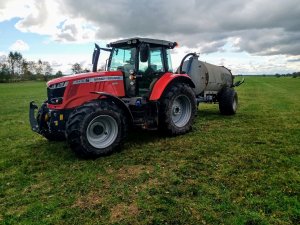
(97, 79)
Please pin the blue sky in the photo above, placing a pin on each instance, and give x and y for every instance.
(247, 37)
(42, 47)
(39, 44)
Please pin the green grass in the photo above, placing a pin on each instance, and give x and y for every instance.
(241, 169)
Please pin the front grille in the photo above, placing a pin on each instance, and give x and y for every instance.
(55, 93)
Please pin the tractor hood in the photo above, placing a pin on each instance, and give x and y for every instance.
(63, 81)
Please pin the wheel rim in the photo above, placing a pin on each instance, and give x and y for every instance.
(181, 110)
(102, 131)
(234, 103)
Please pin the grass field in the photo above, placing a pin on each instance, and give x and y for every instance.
(242, 169)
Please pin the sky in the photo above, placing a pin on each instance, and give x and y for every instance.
(249, 37)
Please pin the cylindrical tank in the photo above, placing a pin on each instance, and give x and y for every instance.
(207, 77)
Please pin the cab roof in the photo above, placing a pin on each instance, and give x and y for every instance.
(137, 40)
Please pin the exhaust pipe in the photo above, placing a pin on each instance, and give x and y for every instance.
(96, 54)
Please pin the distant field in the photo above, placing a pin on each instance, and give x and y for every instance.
(242, 169)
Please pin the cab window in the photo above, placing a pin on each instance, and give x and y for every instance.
(123, 59)
(154, 63)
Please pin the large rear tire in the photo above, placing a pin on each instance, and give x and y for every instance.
(178, 109)
(228, 101)
(96, 129)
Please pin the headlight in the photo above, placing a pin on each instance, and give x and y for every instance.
(59, 85)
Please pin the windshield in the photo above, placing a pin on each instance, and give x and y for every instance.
(123, 59)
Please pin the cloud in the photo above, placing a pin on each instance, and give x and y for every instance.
(19, 46)
(43, 18)
(14, 8)
(2, 57)
(261, 28)
(48, 18)
(271, 41)
(209, 25)
(56, 64)
(75, 30)
(294, 60)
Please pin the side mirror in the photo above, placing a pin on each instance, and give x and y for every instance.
(144, 52)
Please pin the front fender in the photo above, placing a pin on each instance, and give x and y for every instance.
(165, 81)
(117, 101)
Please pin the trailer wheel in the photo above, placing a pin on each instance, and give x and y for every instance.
(178, 109)
(44, 129)
(228, 101)
(95, 129)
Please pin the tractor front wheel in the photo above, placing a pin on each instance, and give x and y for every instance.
(95, 129)
(178, 109)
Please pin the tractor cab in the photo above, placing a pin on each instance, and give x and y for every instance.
(141, 60)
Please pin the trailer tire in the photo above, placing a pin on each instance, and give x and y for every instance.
(228, 101)
(96, 129)
(178, 109)
(44, 129)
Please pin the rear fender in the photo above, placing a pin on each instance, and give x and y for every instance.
(166, 81)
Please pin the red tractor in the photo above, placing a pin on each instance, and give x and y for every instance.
(95, 110)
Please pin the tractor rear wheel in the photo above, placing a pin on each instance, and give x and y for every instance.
(228, 101)
(95, 129)
(178, 109)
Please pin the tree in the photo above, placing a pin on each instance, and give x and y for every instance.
(76, 68)
(39, 68)
(43, 69)
(59, 74)
(86, 70)
(25, 73)
(4, 73)
(15, 61)
(32, 69)
(47, 69)
(296, 74)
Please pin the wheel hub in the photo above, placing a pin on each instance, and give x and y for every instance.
(234, 104)
(181, 110)
(176, 110)
(102, 131)
(98, 130)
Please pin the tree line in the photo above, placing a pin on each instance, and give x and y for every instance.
(294, 75)
(15, 67)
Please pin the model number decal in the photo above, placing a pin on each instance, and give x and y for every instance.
(97, 79)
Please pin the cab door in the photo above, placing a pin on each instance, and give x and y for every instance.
(150, 70)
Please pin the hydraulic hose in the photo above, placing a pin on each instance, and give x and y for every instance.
(184, 58)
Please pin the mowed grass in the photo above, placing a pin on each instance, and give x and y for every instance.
(241, 169)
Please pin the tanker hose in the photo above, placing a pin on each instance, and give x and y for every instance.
(238, 83)
(183, 59)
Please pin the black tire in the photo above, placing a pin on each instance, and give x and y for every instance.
(178, 109)
(44, 129)
(96, 129)
(228, 101)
